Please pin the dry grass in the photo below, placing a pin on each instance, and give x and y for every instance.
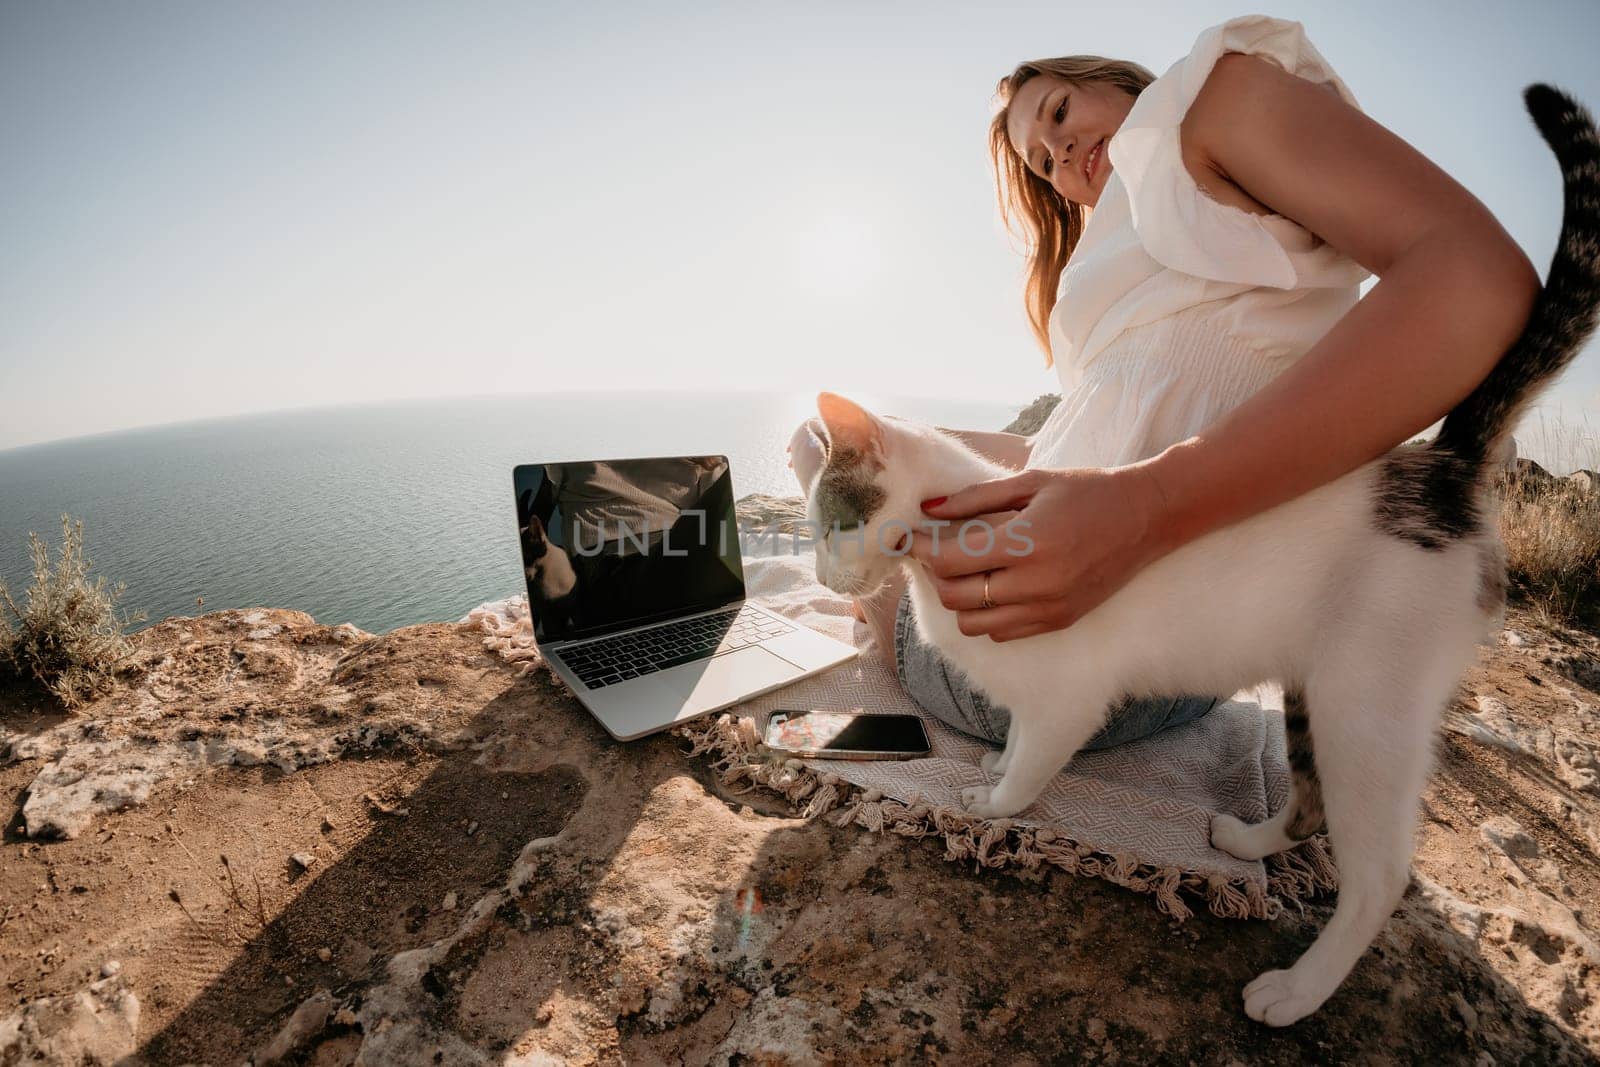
(1551, 527)
(67, 638)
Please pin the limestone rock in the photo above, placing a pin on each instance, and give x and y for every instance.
(307, 1021)
(98, 1024)
(222, 691)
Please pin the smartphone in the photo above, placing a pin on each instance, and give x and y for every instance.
(846, 735)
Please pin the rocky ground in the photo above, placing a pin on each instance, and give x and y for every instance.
(281, 841)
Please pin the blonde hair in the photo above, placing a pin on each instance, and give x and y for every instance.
(1048, 223)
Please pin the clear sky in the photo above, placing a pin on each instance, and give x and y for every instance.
(212, 208)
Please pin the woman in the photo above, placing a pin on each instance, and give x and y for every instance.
(1204, 320)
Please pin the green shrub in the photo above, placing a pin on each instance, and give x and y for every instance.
(67, 638)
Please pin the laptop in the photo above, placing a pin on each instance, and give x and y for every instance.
(636, 591)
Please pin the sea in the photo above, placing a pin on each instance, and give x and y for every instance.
(379, 515)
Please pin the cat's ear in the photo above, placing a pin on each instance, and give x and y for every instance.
(851, 427)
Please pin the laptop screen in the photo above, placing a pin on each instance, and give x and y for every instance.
(614, 543)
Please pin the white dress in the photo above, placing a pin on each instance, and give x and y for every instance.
(1175, 307)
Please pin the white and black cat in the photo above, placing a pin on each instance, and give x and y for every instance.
(1365, 599)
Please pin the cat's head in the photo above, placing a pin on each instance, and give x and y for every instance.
(534, 542)
(867, 496)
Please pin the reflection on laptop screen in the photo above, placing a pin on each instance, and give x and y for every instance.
(615, 543)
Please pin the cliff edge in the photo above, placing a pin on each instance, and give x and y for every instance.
(280, 840)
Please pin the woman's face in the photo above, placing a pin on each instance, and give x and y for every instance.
(1058, 127)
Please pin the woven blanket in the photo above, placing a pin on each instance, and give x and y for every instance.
(1138, 814)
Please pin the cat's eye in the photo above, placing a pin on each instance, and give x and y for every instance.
(847, 524)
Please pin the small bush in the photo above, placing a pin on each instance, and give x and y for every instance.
(1551, 531)
(67, 638)
(1551, 527)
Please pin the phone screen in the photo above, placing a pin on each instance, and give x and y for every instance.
(826, 732)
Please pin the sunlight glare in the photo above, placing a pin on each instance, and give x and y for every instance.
(838, 254)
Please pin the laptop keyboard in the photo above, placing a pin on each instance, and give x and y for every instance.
(616, 659)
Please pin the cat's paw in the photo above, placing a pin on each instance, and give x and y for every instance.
(1246, 841)
(976, 797)
(1279, 998)
(988, 802)
(1229, 835)
(994, 762)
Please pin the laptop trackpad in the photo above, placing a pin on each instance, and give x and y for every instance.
(727, 677)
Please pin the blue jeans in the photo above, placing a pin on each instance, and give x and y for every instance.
(942, 691)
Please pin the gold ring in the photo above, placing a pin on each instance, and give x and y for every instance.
(986, 601)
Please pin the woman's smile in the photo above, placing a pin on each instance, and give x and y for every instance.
(1091, 162)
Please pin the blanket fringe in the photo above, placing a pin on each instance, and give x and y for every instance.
(1302, 872)
(737, 757)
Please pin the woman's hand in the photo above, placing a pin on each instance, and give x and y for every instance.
(1055, 544)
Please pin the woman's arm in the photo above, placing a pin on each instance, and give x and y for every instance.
(1396, 363)
(1007, 449)
(1454, 293)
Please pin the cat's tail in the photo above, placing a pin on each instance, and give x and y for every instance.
(1564, 313)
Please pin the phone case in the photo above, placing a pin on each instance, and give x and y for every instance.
(806, 735)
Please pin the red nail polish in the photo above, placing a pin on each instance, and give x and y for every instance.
(935, 502)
